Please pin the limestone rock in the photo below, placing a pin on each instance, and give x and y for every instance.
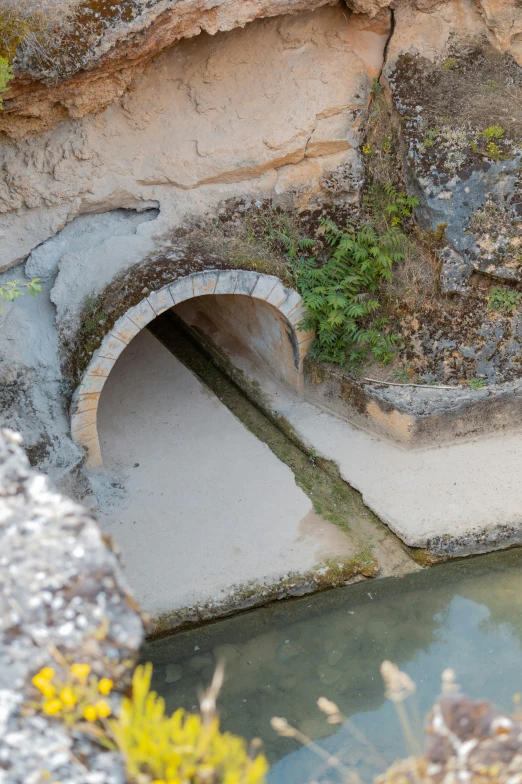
(101, 73)
(60, 586)
(222, 115)
(455, 272)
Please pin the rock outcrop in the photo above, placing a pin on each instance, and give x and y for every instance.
(63, 599)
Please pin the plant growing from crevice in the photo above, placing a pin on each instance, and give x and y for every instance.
(6, 74)
(504, 300)
(476, 383)
(156, 748)
(340, 295)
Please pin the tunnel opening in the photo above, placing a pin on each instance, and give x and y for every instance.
(250, 335)
(247, 316)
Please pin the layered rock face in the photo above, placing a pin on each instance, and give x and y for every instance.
(168, 112)
(63, 600)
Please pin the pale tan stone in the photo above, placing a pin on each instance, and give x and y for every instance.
(161, 300)
(141, 314)
(86, 402)
(93, 458)
(297, 315)
(100, 366)
(182, 289)
(92, 384)
(83, 418)
(264, 286)
(111, 347)
(86, 433)
(277, 295)
(125, 329)
(246, 282)
(204, 282)
(226, 283)
(291, 303)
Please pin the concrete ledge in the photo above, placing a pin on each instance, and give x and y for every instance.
(412, 417)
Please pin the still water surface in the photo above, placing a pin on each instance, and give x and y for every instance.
(280, 659)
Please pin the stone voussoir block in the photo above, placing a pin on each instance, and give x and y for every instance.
(85, 402)
(161, 300)
(205, 282)
(278, 295)
(83, 419)
(297, 315)
(111, 347)
(100, 366)
(92, 384)
(264, 286)
(141, 314)
(84, 435)
(246, 282)
(94, 457)
(291, 303)
(304, 344)
(125, 329)
(182, 289)
(226, 283)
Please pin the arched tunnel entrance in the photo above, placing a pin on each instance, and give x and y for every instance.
(196, 502)
(247, 314)
(214, 507)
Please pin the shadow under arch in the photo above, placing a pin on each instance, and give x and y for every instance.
(258, 286)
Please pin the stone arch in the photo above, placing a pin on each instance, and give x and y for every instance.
(241, 282)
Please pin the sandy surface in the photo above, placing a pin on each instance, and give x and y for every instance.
(444, 491)
(194, 500)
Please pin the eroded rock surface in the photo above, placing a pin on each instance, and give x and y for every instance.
(63, 595)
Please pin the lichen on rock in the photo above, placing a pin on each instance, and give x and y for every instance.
(63, 599)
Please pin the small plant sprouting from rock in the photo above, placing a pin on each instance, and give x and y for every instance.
(477, 383)
(6, 74)
(504, 300)
(493, 132)
(157, 748)
(76, 697)
(340, 296)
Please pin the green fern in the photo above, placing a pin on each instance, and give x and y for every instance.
(339, 295)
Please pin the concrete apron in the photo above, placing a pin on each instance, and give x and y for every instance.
(208, 519)
(452, 500)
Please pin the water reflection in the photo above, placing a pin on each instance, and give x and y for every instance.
(281, 659)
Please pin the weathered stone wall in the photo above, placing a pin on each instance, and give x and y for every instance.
(63, 598)
(272, 111)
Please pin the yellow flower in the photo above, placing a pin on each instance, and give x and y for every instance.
(47, 672)
(68, 697)
(103, 709)
(90, 713)
(81, 671)
(43, 685)
(52, 707)
(105, 686)
(367, 149)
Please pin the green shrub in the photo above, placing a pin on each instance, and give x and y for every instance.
(339, 295)
(14, 289)
(504, 300)
(493, 132)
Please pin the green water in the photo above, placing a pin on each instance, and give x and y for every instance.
(280, 659)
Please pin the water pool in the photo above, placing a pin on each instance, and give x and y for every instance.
(280, 659)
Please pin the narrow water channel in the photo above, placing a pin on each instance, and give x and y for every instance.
(466, 615)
